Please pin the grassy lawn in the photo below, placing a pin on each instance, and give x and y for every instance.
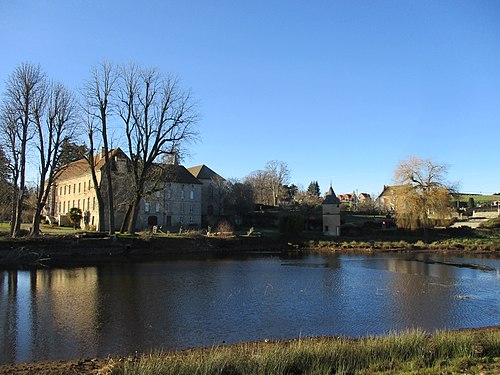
(479, 199)
(46, 229)
(413, 352)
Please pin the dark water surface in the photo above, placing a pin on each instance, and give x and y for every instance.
(123, 308)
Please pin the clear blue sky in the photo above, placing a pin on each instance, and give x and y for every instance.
(339, 90)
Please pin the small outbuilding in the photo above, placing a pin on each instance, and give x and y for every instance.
(331, 214)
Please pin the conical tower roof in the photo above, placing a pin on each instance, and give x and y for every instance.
(330, 197)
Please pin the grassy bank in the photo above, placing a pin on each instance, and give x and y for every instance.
(409, 353)
(470, 245)
(480, 240)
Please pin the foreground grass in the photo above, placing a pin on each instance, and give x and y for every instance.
(408, 353)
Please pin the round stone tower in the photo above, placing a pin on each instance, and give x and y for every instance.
(331, 214)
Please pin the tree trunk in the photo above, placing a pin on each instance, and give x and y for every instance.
(111, 209)
(126, 219)
(13, 210)
(133, 219)
(35, 227)
(17, 218)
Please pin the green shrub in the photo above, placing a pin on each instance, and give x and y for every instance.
(291, 224)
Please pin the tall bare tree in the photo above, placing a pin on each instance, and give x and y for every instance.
(240, 200)
(278, 175)
(221, 190)
(423, 193)
(259, 186)
(99, 103)
(159, 119)
(91, 130)
(54, 119)
(5, 186)
(25, 91)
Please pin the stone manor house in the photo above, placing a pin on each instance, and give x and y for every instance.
(183, 198)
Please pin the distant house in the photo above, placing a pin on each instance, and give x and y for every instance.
(364, 198)
(352, 198)
(349, 198)
(213, 193)
(386, 201)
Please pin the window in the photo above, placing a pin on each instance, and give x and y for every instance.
(74, 188)
(93, 203)
(59, 208)
(60, 190)
(64, 189)
(158, 194)
(78, 203)
(157, 207)
(88, 203)
(190, 220)
(73, 203)
(191, 194)
(182, 193)
(169, 193)
(83, 203)
(84, 186)
(191, 209)
(146, 206)
(79, 187)
(64, 207)
(182, 207)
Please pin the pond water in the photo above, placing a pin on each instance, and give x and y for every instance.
(168, 305)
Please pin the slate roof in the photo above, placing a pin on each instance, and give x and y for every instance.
(179, 174)
(80, 167)
(330, 197)
(202, 172)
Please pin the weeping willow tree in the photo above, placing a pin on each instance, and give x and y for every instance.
(423, 197)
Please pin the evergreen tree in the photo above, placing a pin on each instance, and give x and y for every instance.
(313, 189)
(71, 151)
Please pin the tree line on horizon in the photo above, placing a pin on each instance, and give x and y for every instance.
(43, 122)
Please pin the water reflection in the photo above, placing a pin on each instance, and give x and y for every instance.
(96, 311)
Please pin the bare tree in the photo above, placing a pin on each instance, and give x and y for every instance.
(98, 93)
(5, 186)
(309, 203)
(91, 128)
(221, 189)
(240, 199)
(260, 187)
(159, 118)
(278, 175)
(25, 91)
(53, 118)
(423, 193)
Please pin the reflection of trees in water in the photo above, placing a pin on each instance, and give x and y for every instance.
(421, 294)
(50, 313)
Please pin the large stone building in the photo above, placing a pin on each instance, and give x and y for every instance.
(176, 201)
(73, 187)
(176, 204)
(213, 193)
